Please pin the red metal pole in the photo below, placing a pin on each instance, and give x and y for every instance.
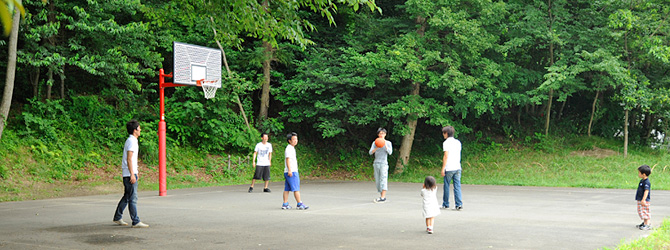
(162, 181)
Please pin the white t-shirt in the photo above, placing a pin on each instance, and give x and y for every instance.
(452, 146)
(263, 154)
(290, 154)
(131, 145)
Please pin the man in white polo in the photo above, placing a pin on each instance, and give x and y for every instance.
(130, 177)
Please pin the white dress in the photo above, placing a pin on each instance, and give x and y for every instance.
(431, 207)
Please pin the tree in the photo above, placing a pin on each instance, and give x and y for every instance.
(269, 21)
(542, 26)
(401, 70)
(11, 71)
(641, 29)
(96, 38)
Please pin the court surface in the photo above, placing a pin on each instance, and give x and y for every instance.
(341, 216)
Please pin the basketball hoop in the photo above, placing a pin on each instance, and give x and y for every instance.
(209, 87)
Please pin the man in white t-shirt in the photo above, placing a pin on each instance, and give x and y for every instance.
(451, 167)
(262, 153)
(291, 176)
(130, 177)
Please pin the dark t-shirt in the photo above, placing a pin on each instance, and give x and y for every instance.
(645, 184)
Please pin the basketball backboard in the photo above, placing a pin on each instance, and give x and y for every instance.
(193, 63)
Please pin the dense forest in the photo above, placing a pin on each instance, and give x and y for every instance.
(335, 71)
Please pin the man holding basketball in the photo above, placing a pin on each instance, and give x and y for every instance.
(381, 148)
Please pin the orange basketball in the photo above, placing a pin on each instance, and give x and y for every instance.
(379, 142)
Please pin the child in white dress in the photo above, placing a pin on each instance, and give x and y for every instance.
(431, 207)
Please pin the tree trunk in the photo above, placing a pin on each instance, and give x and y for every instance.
(551, 63)
(625, 136)
(546, 123)
(35, 80)
(62, 86)
(265, 93)
(51, 18)
(50, 83)
(648, 125)
(593, 111)
(11, 71)
(560, 111)
(408, 139)
(225, 63)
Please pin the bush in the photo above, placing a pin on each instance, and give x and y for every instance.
(44, 120)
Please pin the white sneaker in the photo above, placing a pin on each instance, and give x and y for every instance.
(380, 200)
(140, 225)
(121, 222)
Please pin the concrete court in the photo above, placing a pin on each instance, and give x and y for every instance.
(341, 216)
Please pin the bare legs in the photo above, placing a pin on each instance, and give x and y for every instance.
(254, 181)
(296, 194)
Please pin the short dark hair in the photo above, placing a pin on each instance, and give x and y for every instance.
(131, 126)
(381, 130)
(430, 182)
(289, 136)
(265, 134)
(449, 130)
(644, 169)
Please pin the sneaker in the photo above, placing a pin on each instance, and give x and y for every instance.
(459, 208)
(285, 206)
(638, 226)
(140, 225)
(251, 189)
(301, 206)
(444, 207)
(267, 190)
(645, 227)
(430, 231)
(380, 200)
(121, 222)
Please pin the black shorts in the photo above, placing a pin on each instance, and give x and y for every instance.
(262, 172)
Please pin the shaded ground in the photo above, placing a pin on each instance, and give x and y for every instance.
(342, 215)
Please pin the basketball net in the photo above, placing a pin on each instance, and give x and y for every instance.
(208, 87)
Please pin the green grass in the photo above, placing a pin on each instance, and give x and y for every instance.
(567, 166)
(658, 239)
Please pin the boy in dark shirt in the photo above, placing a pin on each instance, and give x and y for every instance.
(643, 196)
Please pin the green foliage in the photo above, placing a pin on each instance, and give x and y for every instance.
(271, 125)
(209, 124)
(96, 37)
(44, 119)
(269, 21)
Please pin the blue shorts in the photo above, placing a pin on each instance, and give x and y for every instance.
(292, 183)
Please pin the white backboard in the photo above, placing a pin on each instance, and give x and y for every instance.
(193, 63)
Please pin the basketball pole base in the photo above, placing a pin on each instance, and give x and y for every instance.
(162, 182)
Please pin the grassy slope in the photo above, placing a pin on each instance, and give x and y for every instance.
(28, 171)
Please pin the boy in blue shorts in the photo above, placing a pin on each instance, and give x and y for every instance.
(292, 183)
